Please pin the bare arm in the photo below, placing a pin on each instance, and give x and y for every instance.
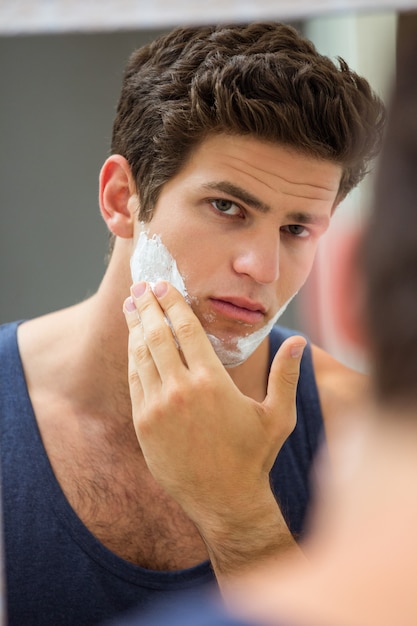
(208, 445)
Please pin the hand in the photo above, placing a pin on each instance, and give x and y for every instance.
(208, 445)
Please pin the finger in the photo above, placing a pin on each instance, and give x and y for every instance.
(190, 334)
(158, 334)
(283, 380)
(133, 324)
(143, 375)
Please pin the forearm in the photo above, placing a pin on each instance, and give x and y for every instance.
(239, 543)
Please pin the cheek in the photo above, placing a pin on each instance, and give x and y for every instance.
(307, 263)
(297, 264)
(188, 257)
(192, 249)
(196, 269)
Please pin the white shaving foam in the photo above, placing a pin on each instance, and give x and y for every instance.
(151, 262)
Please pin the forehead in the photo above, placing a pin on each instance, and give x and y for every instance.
(270, 167)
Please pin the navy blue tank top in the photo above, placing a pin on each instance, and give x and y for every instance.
(57, 572)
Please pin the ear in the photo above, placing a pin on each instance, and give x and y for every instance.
(118, 197)
(349, 289)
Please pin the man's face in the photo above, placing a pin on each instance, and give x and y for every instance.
(242, 220)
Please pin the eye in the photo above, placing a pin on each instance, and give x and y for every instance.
(296, 230)
(226, 206)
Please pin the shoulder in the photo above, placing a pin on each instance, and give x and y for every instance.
(8, 345)
(342, 390)
(8, 330)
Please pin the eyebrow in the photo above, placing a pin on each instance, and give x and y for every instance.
(239, 193)
(302, 217)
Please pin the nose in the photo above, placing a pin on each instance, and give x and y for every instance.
(258, 257)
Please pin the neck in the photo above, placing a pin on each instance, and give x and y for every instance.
(83, 349)
(103, 346)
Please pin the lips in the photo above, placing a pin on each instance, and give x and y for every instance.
(239, 309)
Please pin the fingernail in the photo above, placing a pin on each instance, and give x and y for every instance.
(160, 288)
(297, 351)
(139, 289)
(129, 305)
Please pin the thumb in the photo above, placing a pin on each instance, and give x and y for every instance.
(283, 380)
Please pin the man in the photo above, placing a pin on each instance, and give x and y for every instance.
(361, 551)
(231, 148)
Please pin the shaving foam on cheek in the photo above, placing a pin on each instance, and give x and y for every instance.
(151, 262)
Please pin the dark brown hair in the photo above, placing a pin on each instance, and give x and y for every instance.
(389, 251)
(262, 79)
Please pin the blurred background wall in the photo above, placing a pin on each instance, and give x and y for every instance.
(58, 94)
